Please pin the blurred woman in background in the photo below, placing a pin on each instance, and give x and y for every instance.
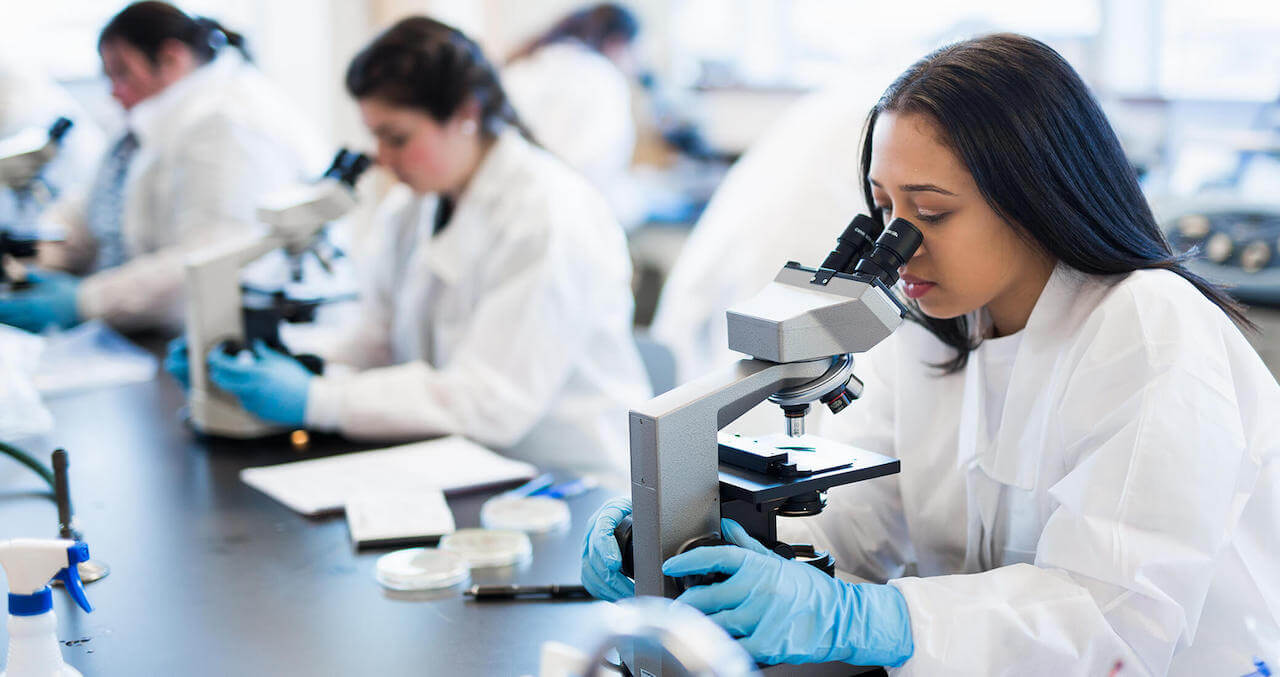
(499, 307)
(572, 86)
(206, 136)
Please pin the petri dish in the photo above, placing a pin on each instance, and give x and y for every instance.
(421, 569)
(489, 547)
(530, 514)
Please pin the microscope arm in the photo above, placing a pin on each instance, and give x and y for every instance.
(213, 316)
(674, 461)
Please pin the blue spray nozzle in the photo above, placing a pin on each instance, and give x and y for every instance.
(39, 602)
(70, 576)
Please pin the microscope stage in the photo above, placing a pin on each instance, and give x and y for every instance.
(772, 467)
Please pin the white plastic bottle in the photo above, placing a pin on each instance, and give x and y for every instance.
(29, 565)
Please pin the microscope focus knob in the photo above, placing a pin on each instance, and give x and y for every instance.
(623, 535)
(685, 582)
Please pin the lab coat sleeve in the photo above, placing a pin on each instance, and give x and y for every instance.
(863, 525)
(518, 350)
(1157, 474)
(74, 248)
(214, 186)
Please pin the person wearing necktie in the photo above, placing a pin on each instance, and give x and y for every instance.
(206, 136)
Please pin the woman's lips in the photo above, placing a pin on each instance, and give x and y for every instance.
(916, 287)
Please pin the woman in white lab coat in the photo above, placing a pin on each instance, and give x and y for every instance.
(1090, 451)
(572, 87)
(206, 136)
(499, 306)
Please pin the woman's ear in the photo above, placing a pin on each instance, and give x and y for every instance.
(467, 117)
(174, 60)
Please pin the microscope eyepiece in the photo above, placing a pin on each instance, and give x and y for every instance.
(59, 129)
(335, 168)
(856, 240)
(355, 165)
(347, 166)
(895, 246)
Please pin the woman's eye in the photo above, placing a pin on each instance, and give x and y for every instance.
(931, 217)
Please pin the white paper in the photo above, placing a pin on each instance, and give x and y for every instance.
(388, 516)
(91, 355)
(325, 484)
(22, 413)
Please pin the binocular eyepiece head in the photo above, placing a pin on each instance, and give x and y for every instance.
(867, 249)
(347, 166)
(896, 245)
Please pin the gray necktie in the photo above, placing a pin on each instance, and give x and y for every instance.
(106, 202)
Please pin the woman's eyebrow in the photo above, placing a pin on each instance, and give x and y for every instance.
(915, 187)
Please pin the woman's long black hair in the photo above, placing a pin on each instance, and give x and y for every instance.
(1044, 157)
(146, 26)
(594, 26)
(422, 64)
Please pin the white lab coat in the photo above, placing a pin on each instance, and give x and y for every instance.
(786, 199)
(1127, 509)
(577, 104)
(512, 326)
(210, 146)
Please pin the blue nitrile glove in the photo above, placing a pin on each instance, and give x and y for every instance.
(601, 558)
(273, 386)
(176, 362)
(50, 300)
(786, 611)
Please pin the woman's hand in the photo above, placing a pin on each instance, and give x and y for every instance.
(786, 611)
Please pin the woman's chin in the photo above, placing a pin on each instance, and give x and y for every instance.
(937, 310)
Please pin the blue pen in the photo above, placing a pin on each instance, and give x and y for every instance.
(568, 489)
(533, 487)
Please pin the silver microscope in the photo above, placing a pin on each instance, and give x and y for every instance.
(800, 331)
(23, 158)
(223, 312)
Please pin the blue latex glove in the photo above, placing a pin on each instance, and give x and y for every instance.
(601, 558)
(273, 386)
(50, 300)
(790, 612)
(176, 362)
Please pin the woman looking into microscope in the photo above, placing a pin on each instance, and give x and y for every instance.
(1090, 456)
(499, 304)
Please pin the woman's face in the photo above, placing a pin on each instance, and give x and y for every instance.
(426, 155)
(970, 257)
(134, 78)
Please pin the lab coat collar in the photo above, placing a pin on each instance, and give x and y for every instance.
(1014, 456)
(152, 120)
(472, 227)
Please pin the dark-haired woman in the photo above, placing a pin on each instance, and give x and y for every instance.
(1090, 449)
(572, 86)
(206, 136)
(500, 305)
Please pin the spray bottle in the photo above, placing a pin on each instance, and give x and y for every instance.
(29, 565)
